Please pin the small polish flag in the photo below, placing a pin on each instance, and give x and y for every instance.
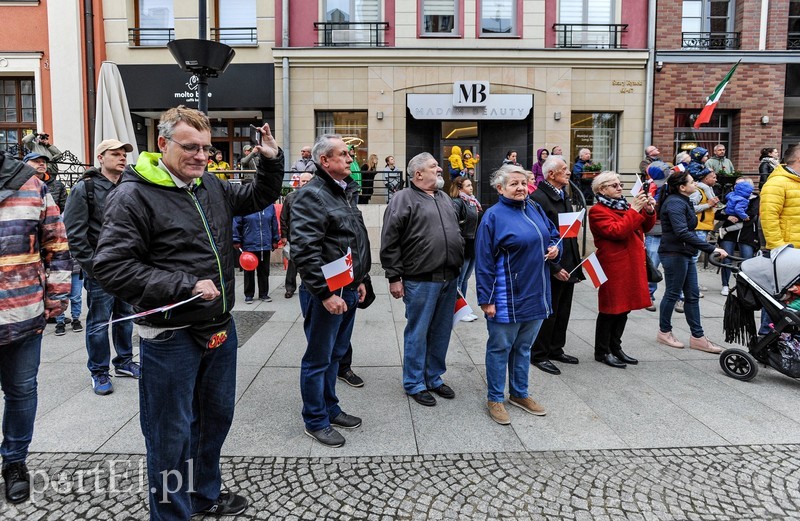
(637, 186)
(462, 309)
(569, 224)
(339, 273)
(594, 270)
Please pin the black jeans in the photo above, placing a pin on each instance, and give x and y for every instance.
(552, 335)
(608, 333)
(262, 273)
(291, 277)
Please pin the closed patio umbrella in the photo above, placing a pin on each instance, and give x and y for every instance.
(112, 115)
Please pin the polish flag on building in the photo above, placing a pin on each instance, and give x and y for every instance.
(711, 102)
(569, 224)
(593, 269)
(462, 309)
(339, 273)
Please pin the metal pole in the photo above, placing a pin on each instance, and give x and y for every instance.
(285, 79)
(91, 77)
(202, 84)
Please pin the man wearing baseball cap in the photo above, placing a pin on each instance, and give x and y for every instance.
(83, 218)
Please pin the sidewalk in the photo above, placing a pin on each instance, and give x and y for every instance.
(673, 398)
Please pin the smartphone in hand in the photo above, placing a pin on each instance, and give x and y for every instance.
(255, 135)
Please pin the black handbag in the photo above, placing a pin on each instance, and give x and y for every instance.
(653, 275)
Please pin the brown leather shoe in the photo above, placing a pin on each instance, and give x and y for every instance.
(528, 405)
(668, 339)
(498, 413)
(704, 344)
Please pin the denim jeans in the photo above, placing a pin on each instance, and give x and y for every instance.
(651, 244)
(429, 315)
(509, 348)
(75, 300)
(466, 272)
(19, 364)
(328, 339)
(703, 236)
(186, 399)
(101, 307)
(745, 250)
(680, 274)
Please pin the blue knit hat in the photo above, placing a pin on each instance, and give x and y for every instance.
(698, 153)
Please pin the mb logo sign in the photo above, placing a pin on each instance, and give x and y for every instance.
(470, 93)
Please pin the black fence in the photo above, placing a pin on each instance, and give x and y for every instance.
(235, 36)
(590, 36)
(351, 34)
(711, 41)
(150, 36)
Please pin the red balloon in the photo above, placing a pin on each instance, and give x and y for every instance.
(248, 261)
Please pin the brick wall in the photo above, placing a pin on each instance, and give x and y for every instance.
(754, 91)
(748, 23)
(669, 24)
(777, 24)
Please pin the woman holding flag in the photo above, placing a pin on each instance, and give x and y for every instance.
(618, 227)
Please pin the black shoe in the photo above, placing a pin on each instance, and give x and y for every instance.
(424, 398)
(346, 421)
(611, 360)
(77, 327)
(18, 483)
(288, 294)
(61, 329)
(227, 504)
(266, 298)
(625, 358)
(547, 366)
(565, 358)
(351, 379)
(444, 391)
(328, 436)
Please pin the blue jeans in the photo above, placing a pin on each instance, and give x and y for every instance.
(680, 274)
(703, 236)
(429, 315)
(509, 347)
(75, 300)
(746, 251)
(19, 364)
(466, 272)
(101, 306)
(651, 244)
(328, 339)
(186, 399)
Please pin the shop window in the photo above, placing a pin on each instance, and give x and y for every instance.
(17, 113)
(793, 42)
(230, 136)
(351, 125)
(716, 131)
(439, 17)
(498, 17)
(235, 22)
(708, 24)
(154, 23)
(596, 131)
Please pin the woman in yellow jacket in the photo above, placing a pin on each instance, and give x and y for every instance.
(219, 164)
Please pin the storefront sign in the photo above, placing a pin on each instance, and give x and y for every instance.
(470, 93)
(497, 106)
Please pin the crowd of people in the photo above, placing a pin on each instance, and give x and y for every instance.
(112, 236)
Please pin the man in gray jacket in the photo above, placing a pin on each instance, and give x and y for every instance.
(422, 252)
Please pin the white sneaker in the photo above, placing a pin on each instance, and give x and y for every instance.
(469, 318)
(724, 292)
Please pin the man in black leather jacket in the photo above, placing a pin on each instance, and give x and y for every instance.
(326, 225)
(167, 237)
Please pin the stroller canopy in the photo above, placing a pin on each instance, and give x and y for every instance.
(776, 272)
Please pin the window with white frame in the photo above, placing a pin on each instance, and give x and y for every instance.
(574, 17)
(714, 16)
(352, 11)
(155, 21)
(439, 17)
(236, 22)
(596, 131)
(499, 17)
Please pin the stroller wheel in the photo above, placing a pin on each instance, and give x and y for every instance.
(738, 364)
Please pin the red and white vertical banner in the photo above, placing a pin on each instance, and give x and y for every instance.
(594, 270)
(462, 309)
(339, 273)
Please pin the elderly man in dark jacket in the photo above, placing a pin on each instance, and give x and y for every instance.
(167, 239)
(422, 252)
(552, 337)
(326, 227)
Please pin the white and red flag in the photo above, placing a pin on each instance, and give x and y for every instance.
(339, 273)
(569, 224)
(594, 270)
(462, 309)
(711, 101)
(637, 186)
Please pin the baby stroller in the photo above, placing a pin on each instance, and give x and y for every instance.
(761, 282)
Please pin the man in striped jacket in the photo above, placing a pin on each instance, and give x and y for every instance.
(34, 286)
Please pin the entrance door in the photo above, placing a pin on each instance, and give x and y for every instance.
(473, 145)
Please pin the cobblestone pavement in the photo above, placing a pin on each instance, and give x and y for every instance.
(708, 483)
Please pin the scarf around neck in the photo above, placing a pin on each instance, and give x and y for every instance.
(614, 204)
(470, 199)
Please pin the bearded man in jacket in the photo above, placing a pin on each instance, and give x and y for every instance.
(167, 238)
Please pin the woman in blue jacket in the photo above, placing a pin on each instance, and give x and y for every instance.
(258, 234)
(514, 242)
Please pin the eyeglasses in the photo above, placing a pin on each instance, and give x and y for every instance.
(192, 148)
(613, 185)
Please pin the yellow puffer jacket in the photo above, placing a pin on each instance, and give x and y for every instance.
(455, 158)
(780, 208)
(705, 218)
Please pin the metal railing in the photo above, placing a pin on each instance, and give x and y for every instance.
(235, 36)
(793, 42)
(150, 36)
(590, 36)
(351, 34)
(711, 40)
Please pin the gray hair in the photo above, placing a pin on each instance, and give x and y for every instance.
(323, 146)
(551, 163)
(501, 175)
(417, 163)
(603, 178)
(581, 151)
(681, 157)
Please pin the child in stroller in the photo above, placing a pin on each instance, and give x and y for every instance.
(772, 284)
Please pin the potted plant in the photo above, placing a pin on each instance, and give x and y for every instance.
(591, 171)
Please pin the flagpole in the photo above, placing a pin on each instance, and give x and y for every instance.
(576, 267)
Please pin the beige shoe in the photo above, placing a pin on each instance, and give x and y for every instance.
(528, 405)
(704, 344)
(668, 339)
(498, 413)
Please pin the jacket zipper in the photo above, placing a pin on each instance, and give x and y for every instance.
(214, 248)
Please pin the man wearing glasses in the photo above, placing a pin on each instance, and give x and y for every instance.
(167, 238)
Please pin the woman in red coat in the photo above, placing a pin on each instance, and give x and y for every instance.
(618, 228)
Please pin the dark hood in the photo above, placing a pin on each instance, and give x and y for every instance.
(13, 174)
(539, 154)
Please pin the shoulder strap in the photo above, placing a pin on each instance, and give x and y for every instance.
(88, 184)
